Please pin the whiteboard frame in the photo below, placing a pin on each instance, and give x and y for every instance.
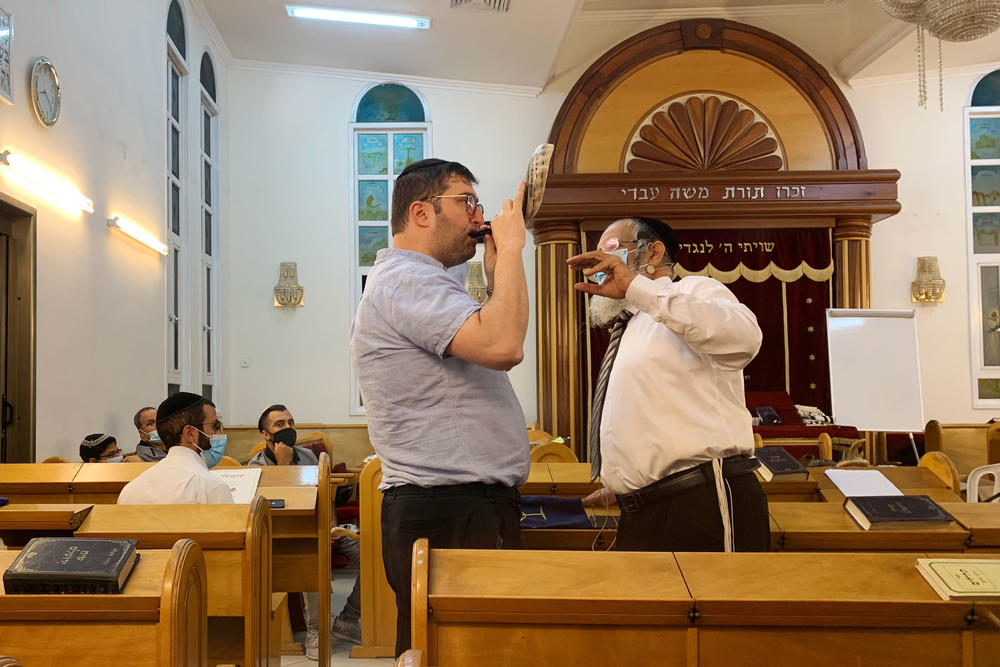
(891, 423)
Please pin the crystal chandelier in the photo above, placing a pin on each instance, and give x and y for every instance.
(948, 20)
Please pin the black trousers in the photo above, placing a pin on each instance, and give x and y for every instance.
(463, 516)
(690, 520)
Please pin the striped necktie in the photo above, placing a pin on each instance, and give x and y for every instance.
(617, 331)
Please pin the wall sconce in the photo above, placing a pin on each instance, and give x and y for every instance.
(928, 287)
(288, 292)
(45, 184)
(137, 232)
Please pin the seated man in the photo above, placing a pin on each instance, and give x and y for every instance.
(150, 447)
(277, 426)
(100, 448)
(192, 432)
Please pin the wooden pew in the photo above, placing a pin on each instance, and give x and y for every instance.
(20, 522)
(908, 479)
(236, 542)
(37, 482)
(102, 482)
(481, 607)
(160, 618)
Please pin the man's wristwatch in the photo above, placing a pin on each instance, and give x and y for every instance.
(489, 292)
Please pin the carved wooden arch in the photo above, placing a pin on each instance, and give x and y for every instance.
(671, 39)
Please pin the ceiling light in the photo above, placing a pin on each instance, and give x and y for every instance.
(350, 16)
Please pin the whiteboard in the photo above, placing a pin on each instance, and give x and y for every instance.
(874, 369)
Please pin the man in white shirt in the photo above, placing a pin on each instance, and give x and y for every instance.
(191, 430)
(675, 436)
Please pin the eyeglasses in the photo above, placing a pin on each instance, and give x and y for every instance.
(613, 244)
(216, 425)
(471, 202)
(110, 455)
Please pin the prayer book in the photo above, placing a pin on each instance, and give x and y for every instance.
(962, 578)
(896, 512)
(242, 482)
(862, 483)
(71, 565)
(777, 464)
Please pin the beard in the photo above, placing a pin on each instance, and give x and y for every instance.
(604, 311)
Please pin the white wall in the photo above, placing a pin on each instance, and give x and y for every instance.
(100, 300)
(927, 147)
(290, 178)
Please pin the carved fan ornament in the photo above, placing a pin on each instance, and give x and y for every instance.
(704, 133)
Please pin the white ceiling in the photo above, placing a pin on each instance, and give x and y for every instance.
(538, 41)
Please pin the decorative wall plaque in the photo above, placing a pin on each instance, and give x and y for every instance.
(288, 292)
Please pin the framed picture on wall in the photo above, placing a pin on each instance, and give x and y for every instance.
(6, 34)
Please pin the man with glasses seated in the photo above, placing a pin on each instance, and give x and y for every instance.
(431, 363)
(191, 430)
(100, 448)
(670, 433)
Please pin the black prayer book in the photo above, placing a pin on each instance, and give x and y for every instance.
(776, 463)
(71, 565)
(896, 512)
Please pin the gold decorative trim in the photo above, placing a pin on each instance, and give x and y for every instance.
(760, 275)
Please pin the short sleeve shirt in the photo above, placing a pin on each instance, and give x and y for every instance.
(433, 419)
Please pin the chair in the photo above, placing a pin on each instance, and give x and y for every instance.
(411, 658)
(227, 462)
(823, 443)
(977, 475)
(968, 445)
(538, 436)
(51, 459)
(256, 449)
(941, 465)
(553, 452)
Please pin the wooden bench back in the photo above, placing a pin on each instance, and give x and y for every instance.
(968, 445)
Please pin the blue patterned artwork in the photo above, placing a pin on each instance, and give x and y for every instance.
(373, 200)
(984, 138)
(986, 186)
(390, 103)
(370, 241)
(406, 148)
(373, 154)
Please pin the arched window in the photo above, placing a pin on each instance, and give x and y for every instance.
(390, 130)
(210, 344)
(177, 71)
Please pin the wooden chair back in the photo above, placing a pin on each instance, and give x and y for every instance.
(378, 603)
(941, 465)
(968, 445)
(411, 658)
(227, 462)
(257, 449)
(51, 459)
(553, 452)
(823, 443)
(538, 437)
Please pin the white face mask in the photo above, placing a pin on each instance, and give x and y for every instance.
(117, 459)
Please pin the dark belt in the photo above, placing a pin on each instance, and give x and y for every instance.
(451, 490)
(732, 466)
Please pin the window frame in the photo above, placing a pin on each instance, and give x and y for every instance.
(177, 343)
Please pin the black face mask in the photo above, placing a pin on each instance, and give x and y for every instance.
(285, 436)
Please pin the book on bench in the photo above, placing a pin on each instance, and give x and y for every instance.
(962, 578)
(71, 565)
(896, 512)
(777, 464)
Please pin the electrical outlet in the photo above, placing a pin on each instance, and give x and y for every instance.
(244, 363)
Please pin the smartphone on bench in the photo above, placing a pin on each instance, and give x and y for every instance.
(768, 415)
(276, 503)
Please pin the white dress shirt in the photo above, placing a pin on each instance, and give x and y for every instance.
(181, 478)
(675, 396)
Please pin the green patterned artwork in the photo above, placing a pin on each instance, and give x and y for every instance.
(370, 241)
(406, 148)
(373, 200)
(373, 154)
(984, 138)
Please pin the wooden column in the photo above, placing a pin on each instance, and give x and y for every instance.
(561, 390)
(852, 273)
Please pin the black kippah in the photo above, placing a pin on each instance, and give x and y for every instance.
(179, 402)
(665, 234)
(422, 164)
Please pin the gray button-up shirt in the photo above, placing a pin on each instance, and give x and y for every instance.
(433, 419)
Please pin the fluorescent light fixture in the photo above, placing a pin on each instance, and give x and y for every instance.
(39, 180)
(137, 232)
(352, 16)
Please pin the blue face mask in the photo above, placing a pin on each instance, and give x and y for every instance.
(117, 459)
(217, 447)
(600, 276)
(154, 437)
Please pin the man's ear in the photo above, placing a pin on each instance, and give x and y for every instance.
(419, 214)
(657, 252)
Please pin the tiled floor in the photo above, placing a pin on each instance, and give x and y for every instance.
(341, 650)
